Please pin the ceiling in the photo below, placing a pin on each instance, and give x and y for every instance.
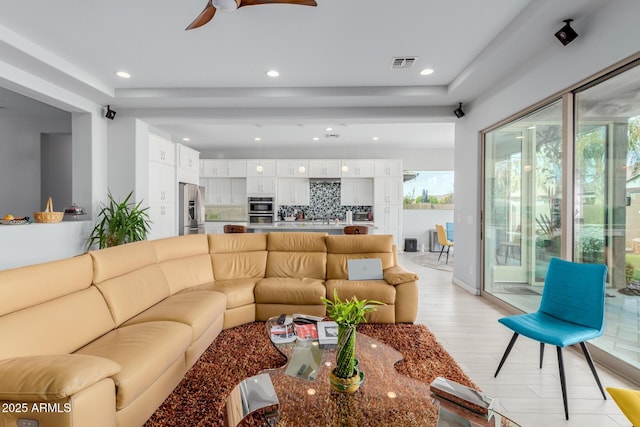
(335, 64)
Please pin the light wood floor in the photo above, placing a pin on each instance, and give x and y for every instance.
(467, 327)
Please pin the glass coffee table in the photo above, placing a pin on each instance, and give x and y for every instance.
(386, 397)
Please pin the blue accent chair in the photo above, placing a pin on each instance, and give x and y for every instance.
(571, 312)
(449, 227)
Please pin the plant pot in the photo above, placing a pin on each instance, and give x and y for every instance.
(346, 385)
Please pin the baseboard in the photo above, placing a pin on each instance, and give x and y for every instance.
(471, 289)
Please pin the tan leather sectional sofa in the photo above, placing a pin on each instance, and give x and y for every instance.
(103, 338)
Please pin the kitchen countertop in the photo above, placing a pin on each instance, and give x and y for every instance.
(331, 228)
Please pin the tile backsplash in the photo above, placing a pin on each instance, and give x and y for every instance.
(324, 201)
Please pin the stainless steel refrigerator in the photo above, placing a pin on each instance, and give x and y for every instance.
(191, 208)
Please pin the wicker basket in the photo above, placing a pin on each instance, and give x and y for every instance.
(48, 216)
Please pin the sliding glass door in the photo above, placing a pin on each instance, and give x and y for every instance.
(523, 190)
(534, 210)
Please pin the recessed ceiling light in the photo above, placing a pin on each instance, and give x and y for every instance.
(375, 138)
(315, 138)
(186, 138)
(123, 74)
(329, 129)
(426, 71)
(273, 73)
(257, 139)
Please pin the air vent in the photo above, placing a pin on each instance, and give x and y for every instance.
(332, 135)
(404, 62)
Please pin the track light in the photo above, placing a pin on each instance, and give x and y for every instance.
(458, 111)
(566, 34)
(110, 114)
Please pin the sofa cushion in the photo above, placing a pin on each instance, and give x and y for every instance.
(184, 260)
(52, 377)
(282, 290)
(376, 290)
(27, 286)
(236, 256)
(144, 351)
(196, 309)
(134, 292)
(61, 325)
(119, 260)
(239, 292)
(340, 249)
(297, 254)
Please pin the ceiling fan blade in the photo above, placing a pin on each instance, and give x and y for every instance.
(257, 2)
(205, 16)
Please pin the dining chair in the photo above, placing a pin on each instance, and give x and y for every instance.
(448, 226)
(628, 401)
(443, 241)
(233, 228)
(571, 312)
(356, 229)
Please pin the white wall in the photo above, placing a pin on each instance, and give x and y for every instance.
(417, 223)
(609, 35)
(56, 170)
(20, 161)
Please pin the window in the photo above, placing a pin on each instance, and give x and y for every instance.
(428, 190)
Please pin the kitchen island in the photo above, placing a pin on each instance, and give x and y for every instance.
(285, 226)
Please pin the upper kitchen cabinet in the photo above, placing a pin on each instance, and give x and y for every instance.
(356, 192)
(225, 191)
(324, 169)
(388, 168)
(217, 168)
(260, 168)
(357, 168)
(388, 191)
(261, 186)
(161, 150)
(292, 168)
(293, 192)
(188, 165)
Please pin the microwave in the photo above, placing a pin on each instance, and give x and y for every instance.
(258, 205)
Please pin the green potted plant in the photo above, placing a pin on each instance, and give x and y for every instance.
(345, 377)
(119, 223)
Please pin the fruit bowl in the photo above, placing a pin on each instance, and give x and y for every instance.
(15, 221)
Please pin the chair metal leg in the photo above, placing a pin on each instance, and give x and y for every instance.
(506, 352)
(563, 383)
(441, 250)
(587, 356)
(447, 261)
(541, 353)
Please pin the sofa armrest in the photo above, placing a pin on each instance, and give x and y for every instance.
(397, 275)
(51, 377)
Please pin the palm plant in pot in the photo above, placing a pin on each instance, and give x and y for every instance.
(346, 377)
(119, 223)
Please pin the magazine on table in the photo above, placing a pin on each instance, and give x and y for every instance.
(306, 331)
(327, 332)
(284, 332)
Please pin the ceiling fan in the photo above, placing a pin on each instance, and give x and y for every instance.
(230, 5)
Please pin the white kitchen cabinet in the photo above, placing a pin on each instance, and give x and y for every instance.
(388, 191)
(162, 187)
(324, 169)
(219, 168)
(261, 186)
(388, 168)
(238, 192)
(161, 150)
(292, 168)
(188, 165)
(213, 168)
(225, 191)
(387, 221)
(293, 192)
(236, 168)
(258, 168)
(357, 168)
(356, 192)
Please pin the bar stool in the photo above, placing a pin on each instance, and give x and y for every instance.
(233, 228)
(356, 229)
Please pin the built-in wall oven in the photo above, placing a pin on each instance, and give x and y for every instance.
(261, 210)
